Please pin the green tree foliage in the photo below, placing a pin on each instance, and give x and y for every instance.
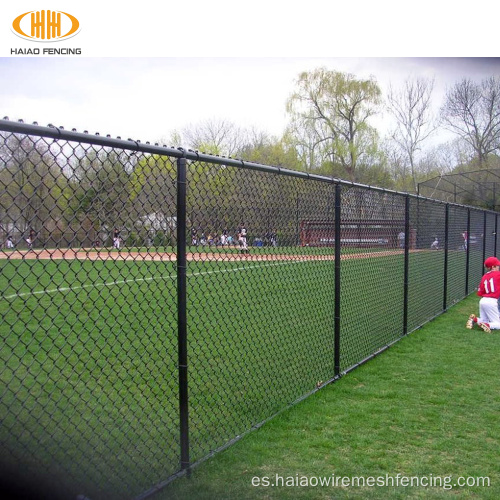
(100, 191)
(307, 137)
(268, 150)
(152, 185)
(32, 187)
(330, 113)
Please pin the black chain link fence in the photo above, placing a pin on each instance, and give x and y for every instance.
(157, 304)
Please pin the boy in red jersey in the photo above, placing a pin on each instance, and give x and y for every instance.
(489, 291)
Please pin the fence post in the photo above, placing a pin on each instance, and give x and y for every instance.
(338, 215)
(297, 220)
(495, 234)
(446, 243)
(467, 250)
(181, 313)
(484, 238)
(406, 264)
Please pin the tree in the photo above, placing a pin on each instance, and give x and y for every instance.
(31, 184)
(219, 136)
(338, 106)
(448, 157)
(152, 195)
(472, 111)
(396, 162)
(310, 140)
(267, 150)
(411, 108)
(101, 191)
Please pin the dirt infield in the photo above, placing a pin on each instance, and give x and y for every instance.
(92, 254)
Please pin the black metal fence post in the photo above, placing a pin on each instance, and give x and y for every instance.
(467, 254)
(495, 234)
(182, 312)
(297, 221)
(406, 264)
(484, 238)
(446, 243)
(338, 215)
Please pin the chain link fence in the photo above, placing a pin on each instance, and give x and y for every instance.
(157, 304)
(478, 187)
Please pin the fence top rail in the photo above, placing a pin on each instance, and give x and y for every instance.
(59, 133)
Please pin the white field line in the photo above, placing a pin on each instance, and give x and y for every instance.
(152, 278)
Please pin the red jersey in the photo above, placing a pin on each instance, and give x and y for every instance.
(490, 285)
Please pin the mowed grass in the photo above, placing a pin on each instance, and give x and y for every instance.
(426, 409)
(89, 358)
(89, 377)
(85, 370)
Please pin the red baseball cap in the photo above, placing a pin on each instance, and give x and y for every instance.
(491, 261)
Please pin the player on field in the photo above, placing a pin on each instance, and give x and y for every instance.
(401, 239)
(30, 240)
(194, 237)
(489, 291)
(242, 238)
(465, 236)
(116, 238)
(223, 237)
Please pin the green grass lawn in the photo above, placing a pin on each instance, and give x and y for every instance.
(427, 407)
(89, 357)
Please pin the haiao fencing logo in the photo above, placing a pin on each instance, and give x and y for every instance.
(46, 26)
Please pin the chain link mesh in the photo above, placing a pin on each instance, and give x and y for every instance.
(89, 324)
(89, 299)
(457, 227)
(372, 259)
(477, 238)
(426, 286)
(262, 310)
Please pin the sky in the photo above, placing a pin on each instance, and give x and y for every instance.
(146, 71)
(148, 98)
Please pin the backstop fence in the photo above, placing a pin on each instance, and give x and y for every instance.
(157, 303)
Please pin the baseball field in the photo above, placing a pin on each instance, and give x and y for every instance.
(89, 353)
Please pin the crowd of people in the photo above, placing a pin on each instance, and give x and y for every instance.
(198, 237)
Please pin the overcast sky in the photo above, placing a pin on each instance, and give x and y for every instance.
(148, 98)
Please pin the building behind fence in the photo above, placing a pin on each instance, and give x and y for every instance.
(125, 362)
